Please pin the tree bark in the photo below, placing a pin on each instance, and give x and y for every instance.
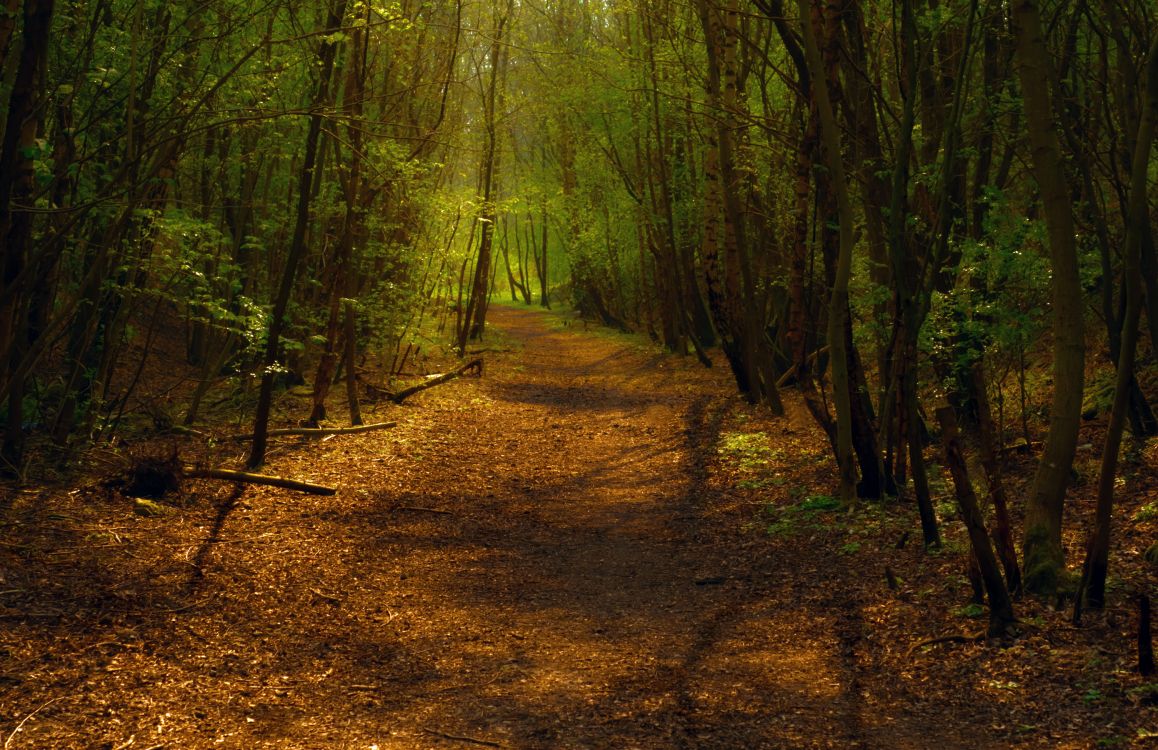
(297, 251)
(838, 302)
(17, 185)
(474, 320)
(1138, 219)
(1043, 556)
(1001, 617)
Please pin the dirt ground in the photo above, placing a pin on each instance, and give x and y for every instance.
(576, 550)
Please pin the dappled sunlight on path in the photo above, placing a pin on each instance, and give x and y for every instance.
(573, 599)
(538, 558)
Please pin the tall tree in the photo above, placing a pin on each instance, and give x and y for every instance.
(1042, 552)
(474, 318)
(1138, 225)
(838, 302)
(327, 52)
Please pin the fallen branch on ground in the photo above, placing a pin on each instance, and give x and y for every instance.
(446, 377)
(319, 431)
(373, 392)
(248, 478)
(956, 638)
(20, 727)
(461, 738)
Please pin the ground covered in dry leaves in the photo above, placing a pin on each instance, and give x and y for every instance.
(591, 546)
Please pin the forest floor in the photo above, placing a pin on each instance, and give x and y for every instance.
(593, 545)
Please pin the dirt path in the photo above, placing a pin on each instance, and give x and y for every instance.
(535, 559)
(593, 614)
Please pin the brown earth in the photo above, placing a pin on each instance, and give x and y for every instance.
(569, 552)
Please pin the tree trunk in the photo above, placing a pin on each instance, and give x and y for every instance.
(1001, 617)
(357, 196)
(474, 320)
(1138, 218)
(838, 302)
(351, 348)
(1044, 558)
(297, 250)
(17, 186)
(990, 461)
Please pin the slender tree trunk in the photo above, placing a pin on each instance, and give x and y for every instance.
(544, 275)
(351, 348)
(1138, 219)
(838, 302)
(1001, 617)
(17, 186)
(990, 461)
(474, 321)
(297, 250)
(1044, 558)
(357, 197)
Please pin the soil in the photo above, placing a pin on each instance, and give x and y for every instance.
(583, 548)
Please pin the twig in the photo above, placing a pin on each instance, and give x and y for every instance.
(248, 478)
(183, 430)
(319, 431)
(461, 738)
(327, 597)
(957, 638)
(419, 509)
(24, 721)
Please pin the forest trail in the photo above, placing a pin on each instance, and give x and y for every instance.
(533, 559)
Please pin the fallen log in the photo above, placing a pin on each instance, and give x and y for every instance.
(446, 377)
(249, 478)
(318, 431)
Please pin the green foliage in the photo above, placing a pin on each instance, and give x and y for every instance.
(814, 504)
(1092, 695)
(748, 450)
(1098, 396)
(792, 519)
(999, 303)
(972, 610)
(1147, 692)
(208, 282)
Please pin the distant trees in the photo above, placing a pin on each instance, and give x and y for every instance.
(714, 127)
